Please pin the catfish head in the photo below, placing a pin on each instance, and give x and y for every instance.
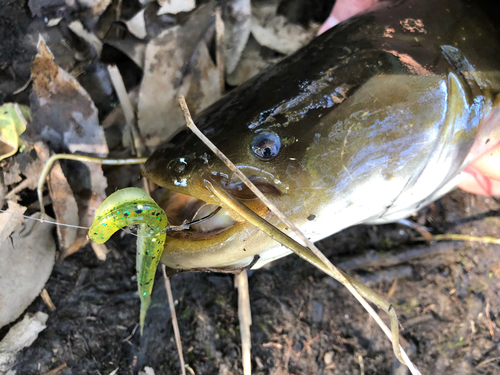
(369, 122)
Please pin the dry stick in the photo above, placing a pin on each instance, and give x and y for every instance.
(245, 318)
(175, 324)
(338, 275)
(128, 109)
(57, 370)
(47, 300)
(461, 237)
(130, 118)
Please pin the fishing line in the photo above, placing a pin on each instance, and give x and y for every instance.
(44, 221)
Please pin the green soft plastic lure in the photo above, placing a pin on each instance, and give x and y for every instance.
(133, 206)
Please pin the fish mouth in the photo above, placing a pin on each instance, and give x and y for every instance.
(181, 208)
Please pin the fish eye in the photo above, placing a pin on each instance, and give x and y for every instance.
(266, 145)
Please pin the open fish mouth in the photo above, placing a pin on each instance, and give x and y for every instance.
(181, 208)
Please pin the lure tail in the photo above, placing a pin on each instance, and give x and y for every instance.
(133, 206)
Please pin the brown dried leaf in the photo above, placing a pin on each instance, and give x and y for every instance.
(275, 32)
(65, 117)
(177, 62)
(134, 48)
(25, 267)
(250, 64)
(175, 6)
(25, 168)
(65, 206)
(10, 220)
(20, 336)
(137, 25)
(236, 15)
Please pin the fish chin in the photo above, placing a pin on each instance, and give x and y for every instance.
(224, 242)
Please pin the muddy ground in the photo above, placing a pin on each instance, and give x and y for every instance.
(303, 322)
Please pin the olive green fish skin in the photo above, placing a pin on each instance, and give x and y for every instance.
(377, 117)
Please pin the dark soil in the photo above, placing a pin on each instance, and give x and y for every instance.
(448, 303)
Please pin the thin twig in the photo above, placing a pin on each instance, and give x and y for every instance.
(338, 275)
(461, 237)
(175, 323)
(245, 318)
(47, 300)
(57, 370)
(485, 362)
(128, 109)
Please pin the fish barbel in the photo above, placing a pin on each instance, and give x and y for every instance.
(366, 124)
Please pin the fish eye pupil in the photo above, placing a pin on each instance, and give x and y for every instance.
(266, 145)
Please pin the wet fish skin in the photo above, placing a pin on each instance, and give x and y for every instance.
(377, 118)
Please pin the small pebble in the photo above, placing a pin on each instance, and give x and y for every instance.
(328, 358)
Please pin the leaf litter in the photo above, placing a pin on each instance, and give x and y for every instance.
(26, 265)
(170, 70)
(188, 39)
(65, 117)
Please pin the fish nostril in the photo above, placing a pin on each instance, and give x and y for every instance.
(180, 167)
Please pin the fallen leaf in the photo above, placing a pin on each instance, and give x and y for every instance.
(236, 15)
(177, 62)
(94, 7)
(251, 63)
(65, 117)
(203, 81)
(87, 10)
(12, 124)
(147, 371)
(157, 24)
(10, 219)
(63, 49)
(175, 6)
(78, 28)
(20, 336)
(27, 262)
(137, 25)
(132, 47)
(275, 32)
(64, 205)
(25, 168)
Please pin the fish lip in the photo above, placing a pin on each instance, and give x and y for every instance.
(238, 190)
(241, 191)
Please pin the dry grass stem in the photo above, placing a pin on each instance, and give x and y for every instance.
(100, 250)
(461, 237)
(245, 318)
(57, 370)
(337, 274)
(128, 109)
(47, 300)
(175, 323)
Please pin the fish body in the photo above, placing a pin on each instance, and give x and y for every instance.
(366, 124)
